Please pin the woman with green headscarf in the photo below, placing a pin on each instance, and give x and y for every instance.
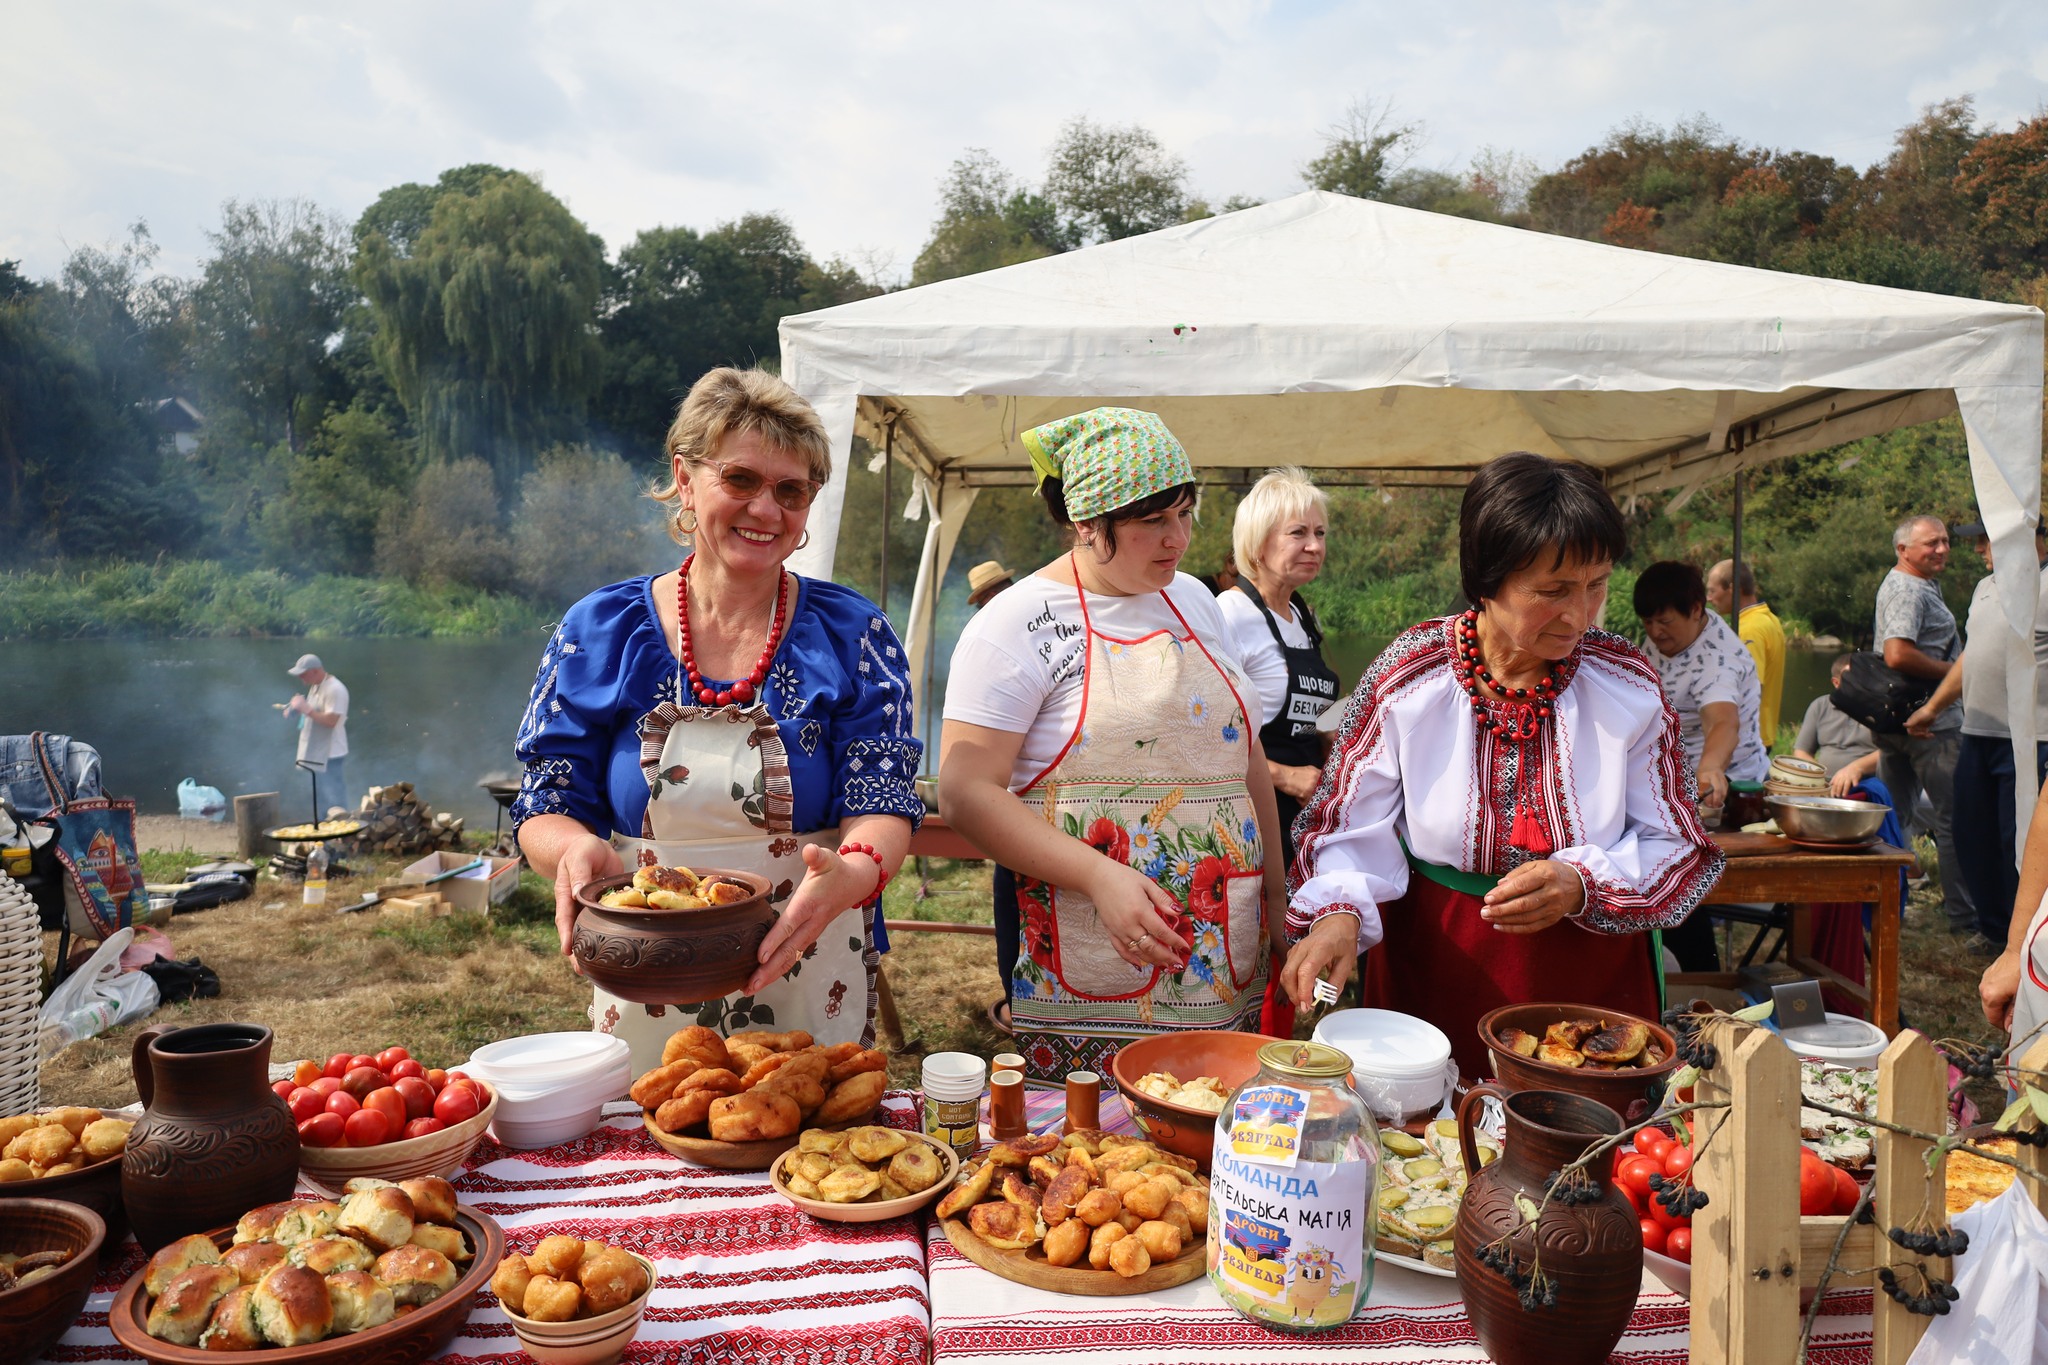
(1096, 742)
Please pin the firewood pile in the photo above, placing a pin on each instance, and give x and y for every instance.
(397, 822)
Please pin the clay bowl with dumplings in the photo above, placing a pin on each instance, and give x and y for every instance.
(677, 953)
(588, 1338)
(1186, 1130)
(95, 1184)
(423, 1332)
(943, 1166)
(39, 1305)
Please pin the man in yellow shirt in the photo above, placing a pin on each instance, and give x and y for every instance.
(1761, 635)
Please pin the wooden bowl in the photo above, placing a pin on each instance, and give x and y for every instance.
(737, 1156)
(35, 1315)
(671, 957)
(880, 1209)
(96, 1187)
(1615, 1089)
(1232, 1058)
(402, 1341)
(330, 1168)
(585, 1341)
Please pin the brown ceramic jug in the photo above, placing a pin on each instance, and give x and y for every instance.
(1592, 1252)
(214, 1141)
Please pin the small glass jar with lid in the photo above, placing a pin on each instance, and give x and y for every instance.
(1291, 1188)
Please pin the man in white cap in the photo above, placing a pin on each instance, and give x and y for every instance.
(323, 730)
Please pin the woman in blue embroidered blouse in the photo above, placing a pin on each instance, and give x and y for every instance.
(731, 714)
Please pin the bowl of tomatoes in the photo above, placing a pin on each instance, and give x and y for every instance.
(1666, 1153)
(383, 1115)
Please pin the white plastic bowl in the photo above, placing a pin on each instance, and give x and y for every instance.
(540, 1058)
(1400, 1065)
(552, 1087)
(1844, 1040)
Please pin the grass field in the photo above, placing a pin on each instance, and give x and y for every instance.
(327, 983)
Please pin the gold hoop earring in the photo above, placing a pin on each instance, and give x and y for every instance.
(687, 527)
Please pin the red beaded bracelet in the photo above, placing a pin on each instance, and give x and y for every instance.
(869, 849)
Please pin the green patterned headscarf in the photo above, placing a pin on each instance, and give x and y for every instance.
(1108, 458)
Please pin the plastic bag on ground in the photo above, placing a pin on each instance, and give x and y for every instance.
(2000, 1316)
(201, 803)
(95, 998)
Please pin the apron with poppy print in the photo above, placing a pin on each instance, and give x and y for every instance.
(1154, 777)
(719, 797)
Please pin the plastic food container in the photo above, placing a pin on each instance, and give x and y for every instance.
(1843, 1040)
(1400, 1066)
(552, 1087)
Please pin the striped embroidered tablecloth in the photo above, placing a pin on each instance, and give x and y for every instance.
(982, 1319)
(744, 1276)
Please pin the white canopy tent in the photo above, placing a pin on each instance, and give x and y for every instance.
(1388, 346)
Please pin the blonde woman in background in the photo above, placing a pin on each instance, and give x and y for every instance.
(1279, 541)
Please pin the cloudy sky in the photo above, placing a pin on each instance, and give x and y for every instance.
(844, 117)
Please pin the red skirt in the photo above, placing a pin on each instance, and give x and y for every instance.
(1441, 962)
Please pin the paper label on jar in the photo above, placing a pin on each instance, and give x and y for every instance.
(1265, 1124)
(1289, 1247)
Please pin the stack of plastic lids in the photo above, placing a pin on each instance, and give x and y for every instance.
(552, 1087)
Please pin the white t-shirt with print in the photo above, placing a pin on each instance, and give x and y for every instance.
(1264, 664)
(1716, 667)
(1018, 665)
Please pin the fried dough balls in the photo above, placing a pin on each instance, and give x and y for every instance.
(700, 1043)
(565, 1278)
(551, 1300)
(1162, 1241)
(853, 1097)
(1102, 1241)
(557, 1256)
(753, 1117)
(1129, 1258)
(1067, 1243)
(1098, 1207)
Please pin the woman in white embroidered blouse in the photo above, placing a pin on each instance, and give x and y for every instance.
(1509, 806)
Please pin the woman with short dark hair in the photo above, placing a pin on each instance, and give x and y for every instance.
(1708, 677)
(1506, 811)
(1098, 742)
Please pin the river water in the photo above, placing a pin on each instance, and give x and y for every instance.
(438, 713)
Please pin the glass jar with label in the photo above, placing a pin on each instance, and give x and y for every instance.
(1290, 1192)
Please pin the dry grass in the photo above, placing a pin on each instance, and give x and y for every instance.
(326, 982)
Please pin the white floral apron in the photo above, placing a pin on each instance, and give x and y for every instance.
(718, 795)
(1154, 776)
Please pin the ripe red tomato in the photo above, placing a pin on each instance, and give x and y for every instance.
(1677, 1161)
(361, 1059)
(390, 1057)
(1651, 1142)
(337, 1065)
(322, 1130)
(1847, 1191)
(326, 1085)
(1678, 1246)
(367, 1128)
(1816, 1184)
(305, 1073)
(403, 1067)
(455, 1104)
(418, 1096)
(361, 1080)
(283, 1089)
(422, 1127)
(390, 1104)
(437, 1078)
(305, 1103)
(1654, 1235)
(342, 1103)
(1635, 1177)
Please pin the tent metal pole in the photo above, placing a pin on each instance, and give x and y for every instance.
(1735, 564)
(888, 502)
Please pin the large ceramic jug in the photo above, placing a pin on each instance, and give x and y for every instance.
(215, 1140)
(1592, 1253)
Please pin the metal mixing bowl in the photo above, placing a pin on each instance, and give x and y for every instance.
(1827, 819)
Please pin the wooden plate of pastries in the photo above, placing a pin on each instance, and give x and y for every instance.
(384, 1276)
(738, 1103)
(1093, 1213)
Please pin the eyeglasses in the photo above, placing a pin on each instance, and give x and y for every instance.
(743, 483)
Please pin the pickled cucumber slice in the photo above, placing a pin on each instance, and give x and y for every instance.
(1393, 1199)
(1487, 1155)
(1434, 1219)
(1400, 1144)
(1422, 1168)
(1446, 1129)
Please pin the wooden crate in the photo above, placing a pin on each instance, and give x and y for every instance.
(1752, 1252)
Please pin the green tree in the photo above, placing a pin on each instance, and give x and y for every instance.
(1363, 152)
(582, 523)
(2005, 176)
(448, 532)
(1109, 182)
(324, 517)
(987, 219)
(268, 303)
(485, 317)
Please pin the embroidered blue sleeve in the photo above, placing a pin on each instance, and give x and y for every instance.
(875, 750)
(563, 755)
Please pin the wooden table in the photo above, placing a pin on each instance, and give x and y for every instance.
(1765, 867)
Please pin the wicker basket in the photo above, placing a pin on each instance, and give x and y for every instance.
(21, 997)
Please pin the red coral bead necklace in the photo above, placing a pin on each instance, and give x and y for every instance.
(1532, 704)
(747, 688)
